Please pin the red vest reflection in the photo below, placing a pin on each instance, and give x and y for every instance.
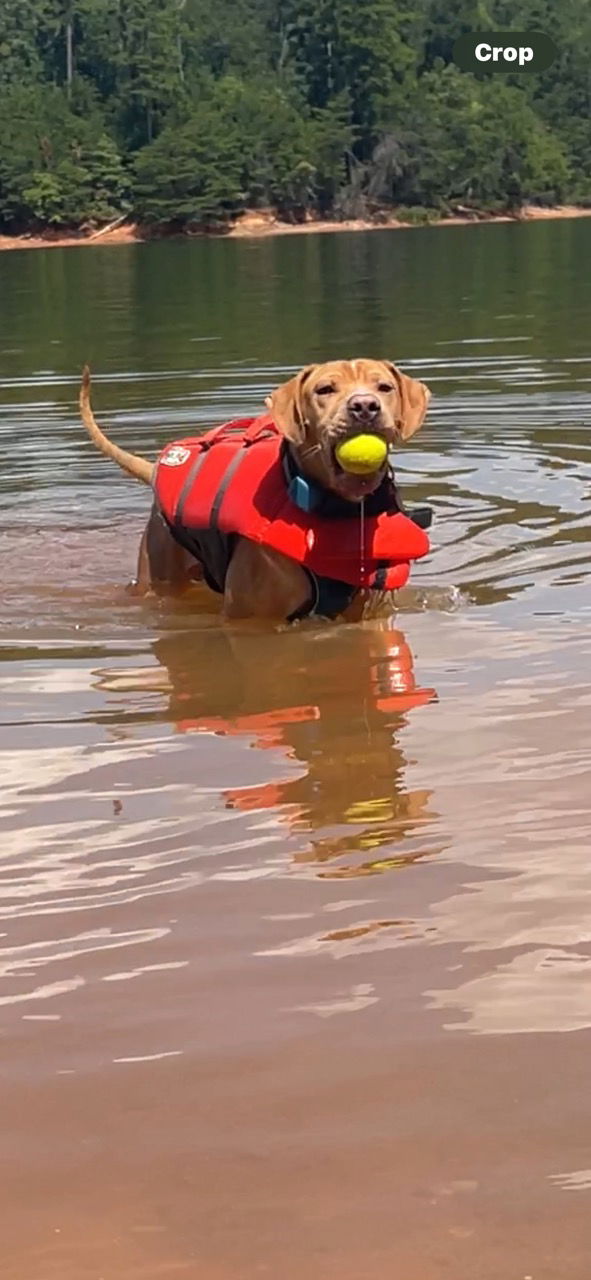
(357, 690)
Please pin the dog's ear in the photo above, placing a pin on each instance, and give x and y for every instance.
(285, 405)
(414, 402)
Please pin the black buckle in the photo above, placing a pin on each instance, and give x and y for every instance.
(421, 516)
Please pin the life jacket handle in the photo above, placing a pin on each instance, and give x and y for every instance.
(246, 429)
(260, 429)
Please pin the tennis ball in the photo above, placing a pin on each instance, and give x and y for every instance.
(362, 454)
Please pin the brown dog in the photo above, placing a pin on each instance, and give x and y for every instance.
(317, 409)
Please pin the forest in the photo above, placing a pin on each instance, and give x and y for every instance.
(182, 114)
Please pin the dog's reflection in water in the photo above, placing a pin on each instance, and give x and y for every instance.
(335, 700)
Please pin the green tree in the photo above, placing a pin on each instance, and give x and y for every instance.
(20, 61)
(85, 188)
(190, 176)
(58, 20)
(347, 47)
(332, 137)
(133, 52)
(444, 24)
(228, 37)
(341, 106)
(474, 141)
(153, 75)
(55, 167)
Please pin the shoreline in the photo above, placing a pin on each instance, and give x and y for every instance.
(260, 225)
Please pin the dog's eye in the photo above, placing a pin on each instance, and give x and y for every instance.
(385, 387)
(325, 390)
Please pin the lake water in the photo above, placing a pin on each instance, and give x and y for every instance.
(296, 925)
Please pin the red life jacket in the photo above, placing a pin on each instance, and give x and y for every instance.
(233, 479)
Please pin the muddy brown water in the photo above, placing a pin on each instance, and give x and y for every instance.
(296, 925)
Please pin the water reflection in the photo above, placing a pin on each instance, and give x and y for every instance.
(332, 701)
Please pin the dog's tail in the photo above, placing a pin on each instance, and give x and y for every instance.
(135, 466)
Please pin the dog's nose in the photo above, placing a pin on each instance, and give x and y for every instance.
(365, 408)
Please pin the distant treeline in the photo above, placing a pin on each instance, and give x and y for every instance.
(185, 112)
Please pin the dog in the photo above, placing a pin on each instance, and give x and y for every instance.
(315, 411)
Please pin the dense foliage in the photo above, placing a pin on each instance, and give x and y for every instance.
(184, 112)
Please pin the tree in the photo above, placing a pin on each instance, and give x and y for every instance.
(190, 176)
(20, 61)
(443, 25)
(347, 47)
(228, 37)
(90, 187)
(338, 106)
(474, 141)
(132, 51)
(55, 167)
(58, 19)
(332, 137)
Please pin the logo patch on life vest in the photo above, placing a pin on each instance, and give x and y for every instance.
(175, 456)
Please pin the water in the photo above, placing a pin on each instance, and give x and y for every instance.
(295, 942)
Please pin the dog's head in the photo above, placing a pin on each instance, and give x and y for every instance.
(328, 403)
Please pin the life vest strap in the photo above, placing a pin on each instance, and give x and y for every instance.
(228, 475)
(190, 479)
(248, 431)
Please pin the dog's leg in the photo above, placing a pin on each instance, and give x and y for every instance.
(164, 567)
(261, 583)
(140, 585)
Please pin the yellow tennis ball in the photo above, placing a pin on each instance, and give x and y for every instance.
(362, 454)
